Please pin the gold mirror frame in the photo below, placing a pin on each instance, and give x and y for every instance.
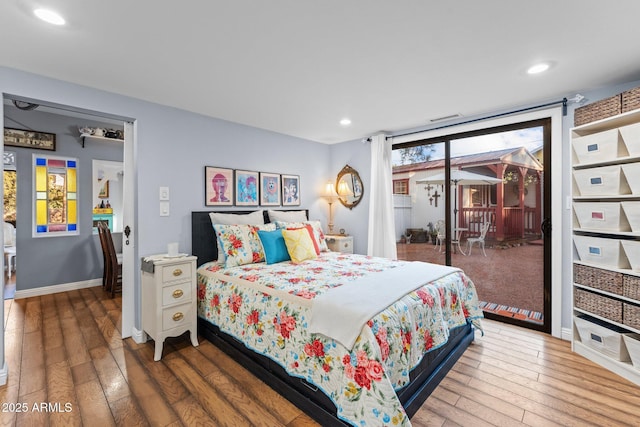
(349, 187)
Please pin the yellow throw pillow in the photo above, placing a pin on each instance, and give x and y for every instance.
(299, 245)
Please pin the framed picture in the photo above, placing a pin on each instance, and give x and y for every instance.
(30, 139)
(104, 189)
(246, 188)
(218, 186)
(269, 189)
(290, 190)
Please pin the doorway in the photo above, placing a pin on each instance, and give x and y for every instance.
(70, 143)
(492, 219)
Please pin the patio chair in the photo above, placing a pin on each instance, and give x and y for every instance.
(440, 236)
(479, 240)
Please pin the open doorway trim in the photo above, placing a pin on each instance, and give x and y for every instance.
(129, 217)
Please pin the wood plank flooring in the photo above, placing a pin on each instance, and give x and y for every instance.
(65, 351)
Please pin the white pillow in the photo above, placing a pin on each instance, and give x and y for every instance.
(254, 218)
(290, 216)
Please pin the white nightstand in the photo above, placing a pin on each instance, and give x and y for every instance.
(340, 243)
(169, 298)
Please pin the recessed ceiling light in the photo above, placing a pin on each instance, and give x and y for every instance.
(49, 16)
(345, 122)
(538, 68)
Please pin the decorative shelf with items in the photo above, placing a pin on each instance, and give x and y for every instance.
(606, 237)
(101, 134)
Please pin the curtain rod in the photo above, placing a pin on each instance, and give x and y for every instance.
(563, 101)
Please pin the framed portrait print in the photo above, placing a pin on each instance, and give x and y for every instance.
(269, 189)
(246, 188)
(29, 139)
(218, 186)
(290, 190)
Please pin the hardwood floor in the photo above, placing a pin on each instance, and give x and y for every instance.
(65, 350)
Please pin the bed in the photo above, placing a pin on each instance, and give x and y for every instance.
(381, 377)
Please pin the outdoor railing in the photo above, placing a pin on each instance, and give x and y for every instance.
(517, 223)
(472, 218)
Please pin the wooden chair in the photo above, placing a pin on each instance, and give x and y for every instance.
(103, 245)
(112, 266)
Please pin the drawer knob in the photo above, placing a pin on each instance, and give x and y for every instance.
(178, 316)
(178, 293)
(177, 272)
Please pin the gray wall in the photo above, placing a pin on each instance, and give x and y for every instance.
(50, 261)
(355, 221)
(172, 147)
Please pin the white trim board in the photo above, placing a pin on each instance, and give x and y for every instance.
(53, 289)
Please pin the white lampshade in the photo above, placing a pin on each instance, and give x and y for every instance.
(343, 189)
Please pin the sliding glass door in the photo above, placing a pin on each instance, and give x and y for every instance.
(479, 201)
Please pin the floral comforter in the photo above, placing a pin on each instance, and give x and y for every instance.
(268, 307)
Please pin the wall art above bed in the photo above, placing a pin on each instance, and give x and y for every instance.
(290, 190)
(246, 188)
(218, 186)
(269, 189)
(238, 187)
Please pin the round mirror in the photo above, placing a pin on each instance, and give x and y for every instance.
(349, 187)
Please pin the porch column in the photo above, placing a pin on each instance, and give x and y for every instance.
(523, 175)
(500, 203)
(538, 214)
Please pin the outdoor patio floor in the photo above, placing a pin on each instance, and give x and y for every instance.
(510, 276)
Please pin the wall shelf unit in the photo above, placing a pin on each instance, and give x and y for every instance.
(606, 237)
(101, 138)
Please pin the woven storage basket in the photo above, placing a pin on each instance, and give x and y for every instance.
(598, 278)
(631, 316)
(631, 286)
(631, 100)
(598, 110)
(600, 305)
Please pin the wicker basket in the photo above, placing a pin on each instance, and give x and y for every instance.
(598, 278)
(598, 110)
(631, 100)
(597, 304)
(631, 316)
(631, 286)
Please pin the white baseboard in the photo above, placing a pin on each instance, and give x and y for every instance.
(46, 290)
(567, 334)
(140, 337)
(4, 374)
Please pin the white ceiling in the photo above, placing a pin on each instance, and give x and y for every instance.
(299, 66)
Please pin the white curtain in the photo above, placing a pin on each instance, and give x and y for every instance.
(382, 240)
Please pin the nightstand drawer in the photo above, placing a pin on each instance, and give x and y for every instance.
(177, 293)
(340, 243)
(174, 317)
(175, 272)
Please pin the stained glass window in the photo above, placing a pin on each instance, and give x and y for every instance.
(55, 196)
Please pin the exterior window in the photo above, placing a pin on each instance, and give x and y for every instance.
(55, 196)
(483, 195)
(400, 186)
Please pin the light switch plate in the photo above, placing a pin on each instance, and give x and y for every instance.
(164, 208)
(164, 193)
